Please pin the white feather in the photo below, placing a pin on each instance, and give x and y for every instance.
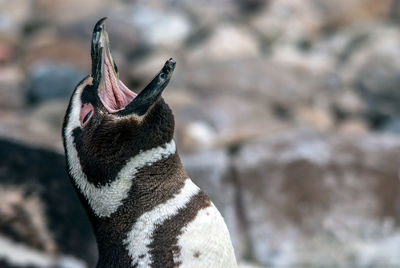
(140, 236)
(205, 242)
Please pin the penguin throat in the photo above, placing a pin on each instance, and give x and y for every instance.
(114, 95)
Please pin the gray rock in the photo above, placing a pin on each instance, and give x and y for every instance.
(298, 21)
(222, 121)
(259, 79)
(227, 42)
(23, 127)
(52, 82)
(392, 125)
(11, 94)
(374, 71)
(14, 14)
(162, 29)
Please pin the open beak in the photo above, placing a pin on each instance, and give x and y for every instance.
(115, 96)
(100, 47)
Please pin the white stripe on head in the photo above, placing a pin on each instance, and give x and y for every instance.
(205, 242)
(105, 200)
(140, 236)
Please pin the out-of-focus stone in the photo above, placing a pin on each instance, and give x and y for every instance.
(52, 82)
(38, 126)
(198, 136)
(292, 21)
(315, 61)
(317, 200)
(251, 6)
(226, 43)
(125, 39)
(68, 11)
(348, 104)
(161, 29)
(8, 49)
(353, 127)
(208, 13)
(143, 70)
(319, 119)
(11, 94)
(51, 113)
(346, 12)
(392, 125)
(47, 48)
(246, 264)
(255, 79)
(13, 14)
(222, 121)
(374, 71)
(179, 98)
(20, 126)
(287, 21)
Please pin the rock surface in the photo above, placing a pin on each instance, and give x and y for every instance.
(305, 205)
(52, 82)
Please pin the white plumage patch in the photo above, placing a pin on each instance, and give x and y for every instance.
(205, 241)
(140, 236)
(105, 200)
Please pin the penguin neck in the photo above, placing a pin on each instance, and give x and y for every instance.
(149, 185)
(152, 185)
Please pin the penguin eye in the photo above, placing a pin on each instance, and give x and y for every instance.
(86, 113)
(86, 117)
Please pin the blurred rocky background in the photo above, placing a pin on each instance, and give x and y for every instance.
(287, 114)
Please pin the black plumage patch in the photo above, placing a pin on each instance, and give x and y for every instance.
(106, 144)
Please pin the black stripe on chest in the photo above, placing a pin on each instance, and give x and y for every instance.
(165, 247)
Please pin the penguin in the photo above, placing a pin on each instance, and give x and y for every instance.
(124, 165)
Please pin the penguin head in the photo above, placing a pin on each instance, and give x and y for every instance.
(106, 123)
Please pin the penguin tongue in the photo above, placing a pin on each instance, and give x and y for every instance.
(114, 95)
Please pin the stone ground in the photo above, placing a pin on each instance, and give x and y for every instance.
(287, 114)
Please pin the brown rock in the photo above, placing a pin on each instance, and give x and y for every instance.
(256, 79)
(374, 71)
(11, 93)
(20, 126)
(227, 42)
(68, 11)
(49, 47)
(354, 127)
(222, 121)
(298, 20)
(317, 118)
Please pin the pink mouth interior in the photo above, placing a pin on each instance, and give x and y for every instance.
(114, 95)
